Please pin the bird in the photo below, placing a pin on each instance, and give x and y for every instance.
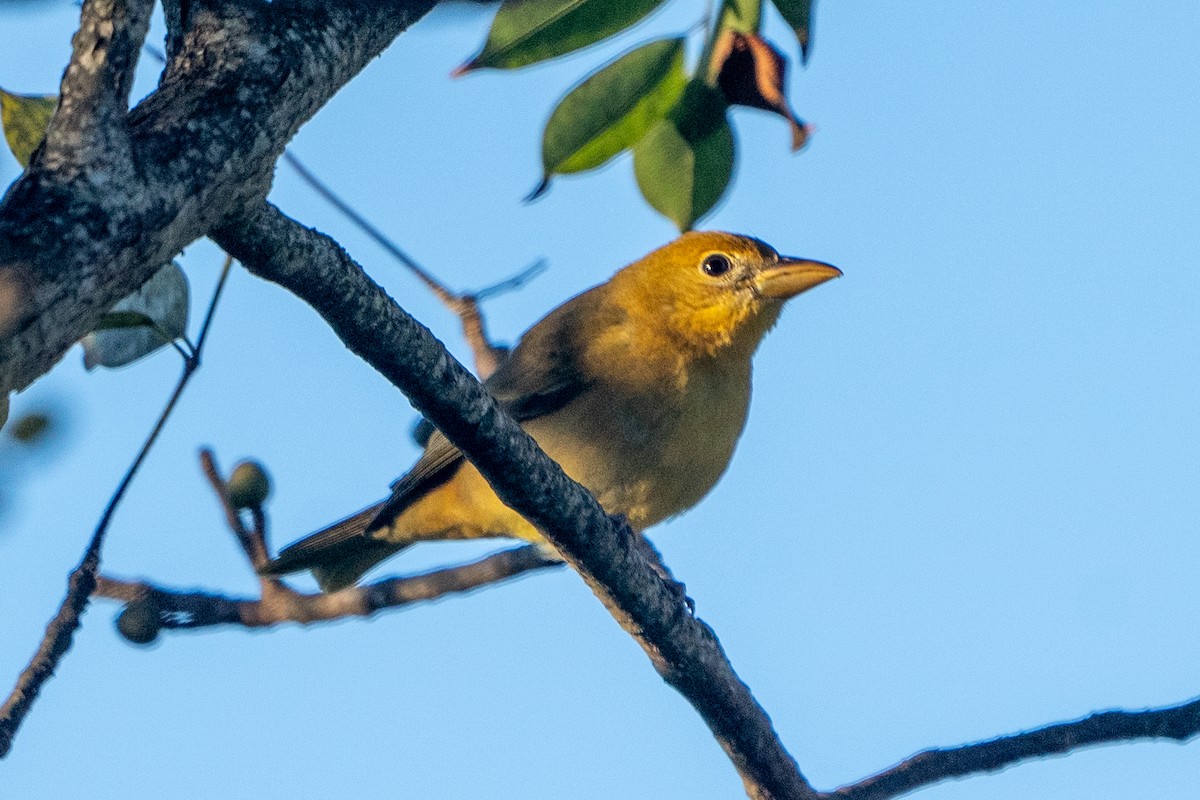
(639, 388)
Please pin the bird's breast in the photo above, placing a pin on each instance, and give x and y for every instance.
(651, 453)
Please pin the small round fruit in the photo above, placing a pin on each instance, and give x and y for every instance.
(138, 622)
(249, 485)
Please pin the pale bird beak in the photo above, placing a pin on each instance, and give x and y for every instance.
(791, 276)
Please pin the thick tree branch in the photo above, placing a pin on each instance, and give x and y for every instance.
(89, 133)
(244, 78)
(1179, 722)
(605, 552)
(280, 604)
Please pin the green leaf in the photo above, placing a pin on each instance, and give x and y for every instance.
(610, 111)
(798, 14)
(25, 118)
(30, 428)
(743, 16)
(148, 319)
(528, 31)
(124, 319)
(684, 163)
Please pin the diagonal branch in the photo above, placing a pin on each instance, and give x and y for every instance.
(605, 552)
(465, 306)
(1179, 722)
(61, 629)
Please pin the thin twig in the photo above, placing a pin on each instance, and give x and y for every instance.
(254, 547)
(513, 283)
(180, 610)
(82, 581)
(212, 307)
(465, 306)
(382, 239)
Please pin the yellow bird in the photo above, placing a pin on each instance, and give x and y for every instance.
(638, 388)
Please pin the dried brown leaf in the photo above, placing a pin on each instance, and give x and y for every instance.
(751, 72)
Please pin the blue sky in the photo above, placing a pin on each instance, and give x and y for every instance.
(965, 503)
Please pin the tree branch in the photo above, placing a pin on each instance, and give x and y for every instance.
(61, 629)
(1180, 722)
(245, 77)
(89, 132)
(604, 551)
(465, 306)
(171, 609)
(280, 604)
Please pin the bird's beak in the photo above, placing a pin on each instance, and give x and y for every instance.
(791, 276)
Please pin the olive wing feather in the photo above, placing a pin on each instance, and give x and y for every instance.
(540, 376)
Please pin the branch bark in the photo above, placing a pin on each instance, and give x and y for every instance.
(280, 604)
(88, 138)
(604, 551)
(1179, 722)
(243, 79)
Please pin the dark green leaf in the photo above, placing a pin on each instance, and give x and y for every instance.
(30, 428)
(25, 118)
(528, 31)
(798, 14)
(152, 317)
(743, 16)
(684, 163)
(610, 111)
(124, 319)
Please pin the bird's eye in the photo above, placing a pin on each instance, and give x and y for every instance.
(716, 265)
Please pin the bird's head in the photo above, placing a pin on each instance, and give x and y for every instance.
(711, 291)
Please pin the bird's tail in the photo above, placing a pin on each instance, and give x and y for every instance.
(338, 555)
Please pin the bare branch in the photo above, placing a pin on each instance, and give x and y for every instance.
(369, 228)
(488, 356)
(61, 629)
(466, 306)
(244, 79)
(279, 604)
(89, 131)
(1179, 722)
(253, 543)
(683, 649)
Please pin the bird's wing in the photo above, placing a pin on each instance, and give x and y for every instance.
(436, 465)
(325, 546)
(540, 376)
(542, 373)
(340, 553)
